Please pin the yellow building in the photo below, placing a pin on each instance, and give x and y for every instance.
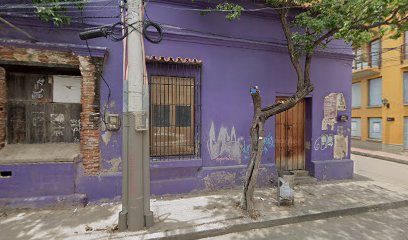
(380, 92)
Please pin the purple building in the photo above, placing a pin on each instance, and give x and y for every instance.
(200, 105)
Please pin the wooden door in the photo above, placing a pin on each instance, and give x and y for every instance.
(34, 116)
(290, 134)
(172, 116)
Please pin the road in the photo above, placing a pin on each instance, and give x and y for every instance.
(381, 225)
(381, 170)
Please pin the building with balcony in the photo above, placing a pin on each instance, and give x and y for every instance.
(380, 94)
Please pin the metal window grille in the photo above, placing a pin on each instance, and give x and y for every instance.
(175, 110)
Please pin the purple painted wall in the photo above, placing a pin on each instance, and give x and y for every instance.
(44, 184)
(235, 56)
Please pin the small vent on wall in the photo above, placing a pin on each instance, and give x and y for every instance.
(5, 174)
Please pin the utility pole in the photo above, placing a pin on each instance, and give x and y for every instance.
(135, 214)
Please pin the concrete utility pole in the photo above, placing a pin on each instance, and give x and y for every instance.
(135, 214)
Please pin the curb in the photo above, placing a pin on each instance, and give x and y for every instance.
(390, 159)
(197, 234)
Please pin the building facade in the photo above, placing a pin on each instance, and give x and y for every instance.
(380, 94)
(199, 79)
(55, 92)
(201, 108)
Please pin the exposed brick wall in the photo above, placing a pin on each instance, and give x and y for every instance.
(3, 102)
(89, 116)
(13, 54)
(90, 119)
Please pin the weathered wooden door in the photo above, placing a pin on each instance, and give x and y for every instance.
(172, 116)
(290, 144)
(37, 114)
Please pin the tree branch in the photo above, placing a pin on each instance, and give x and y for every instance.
(291, 48)
(288, 103)
(385, 22)
(309, 55)
(32, 39)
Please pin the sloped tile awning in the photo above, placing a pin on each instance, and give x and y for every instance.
(161, 59)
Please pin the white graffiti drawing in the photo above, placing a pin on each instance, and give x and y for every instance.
(38, 119)
(38, 91)
(75, 128)
(224, 146)
(57, 124)
(323, 142)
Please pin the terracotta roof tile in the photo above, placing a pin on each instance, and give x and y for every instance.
(173, 60)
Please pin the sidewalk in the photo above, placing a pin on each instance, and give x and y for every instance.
(200, 215)
(392, 156)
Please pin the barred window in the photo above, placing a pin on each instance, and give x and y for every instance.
(175, 110)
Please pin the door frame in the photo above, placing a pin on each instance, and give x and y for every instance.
(303, 122)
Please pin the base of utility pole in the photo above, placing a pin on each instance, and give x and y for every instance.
(149, 219)
(122, 224)
(135, 214)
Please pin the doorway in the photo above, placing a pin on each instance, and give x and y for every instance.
(290, 138)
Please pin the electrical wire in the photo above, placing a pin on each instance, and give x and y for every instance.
(226, 10)
(17, 6)
(106, 83)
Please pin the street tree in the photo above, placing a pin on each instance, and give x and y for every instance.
(309, 25)
(55, 10)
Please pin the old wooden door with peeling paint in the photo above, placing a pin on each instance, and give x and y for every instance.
(289, 135)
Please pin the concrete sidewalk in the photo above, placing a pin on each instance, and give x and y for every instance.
(401, 157)
(197, 216)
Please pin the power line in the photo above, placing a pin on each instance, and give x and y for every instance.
(17, 6)
(226, 10)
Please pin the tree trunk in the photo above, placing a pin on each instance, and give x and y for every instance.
(257, 140)
(257, 143)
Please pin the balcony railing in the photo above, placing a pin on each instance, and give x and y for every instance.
(361, 65)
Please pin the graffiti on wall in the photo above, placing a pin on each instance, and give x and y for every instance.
(324, 142)
(269, 143)
(75, 128)
(38, 90)
(225, 145)
(57, 124)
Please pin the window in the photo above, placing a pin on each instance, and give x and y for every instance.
(175, 110)
(374, 128)
(405, 76)
(375, 92)
(375, 53)
(356, 127)
(66, 89)
(360, 59)
(356, 95)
